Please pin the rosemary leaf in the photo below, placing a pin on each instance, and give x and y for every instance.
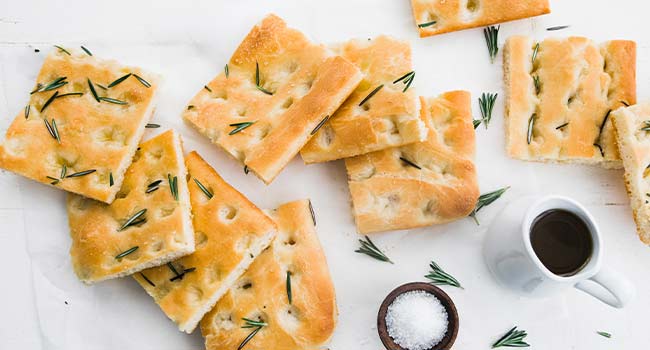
(70, 94)
(439, 277)
(53, 85)
(513, 338)
(54, 180)
(562, 126)
(154, 184)
(535, 51)
(407, 78)
(50, 100)
(126, 252)
(119, 80)
(146, 279)
(486, 105)
(258, 80)
(410, 163)
(86, 51)
(537, 83)
(486, 199)
(320, 125)
(248, 337)
(550, 29)
(64, 170)
(27, 109)
(531, 124)
(624, 103)
(226, 70)
(62, 50)
(246, 170)
(207, 88)
(427, 24)
(313, 214)
(239, 127)
(171, 267)
(152, 126)
(646, 125)
(151, 189)
(370, 249)
(604, 334)
(53, 130)
(173, 186)
(182, 274)
(491, 35)
(371, 94)
(476, 123)
(112, 100)
(131, 221)
(142, 81)
(288, 283)
(92, 90)
(203, 189)
(82, 173)
(110, 179)
(190, 107)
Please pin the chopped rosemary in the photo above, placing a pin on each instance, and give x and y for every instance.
(239, 127)
(146, 279)
(173, 186)
(132, 220)
(439, 277)
(320, 124)
(112, 100)
(313, 214)
(152, 126)
(257, 80)
(182, 274)
(370, 249)
(54, 180)
(535, 51)
(427, 24)
(562, 126)
(126, 252)
(27, 109)
(82, 173)
(203, 189)
(226, 70)
(92, 90)
(110, 179)
(550, 29)
(486, 105)
(407, 78)
(513, 338)
(142, 81)
(604, 334)
(53, 85)
(288, 283)
(410, 163)
(52, 129)
(50, 100)
(251, 324)
(537, 83)
(491, 35)
(371, 94)
(207, 88)
(486, 199)
(62, 50)
(86, 51)
(64, 170)
(531, 124)
(119, 80)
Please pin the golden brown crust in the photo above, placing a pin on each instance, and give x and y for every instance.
(306, 86)
(166, 234)
(634, 149)
(230, 232)
(452, 15)
(388, 193)
(388, 119)
(261, 293)
(579, 83)
(93, 135)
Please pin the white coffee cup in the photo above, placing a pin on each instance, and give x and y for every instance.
(510, 257)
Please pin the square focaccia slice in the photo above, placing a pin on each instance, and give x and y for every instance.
(85, 116)
(381, 112)
(286, 295)
(148, 224)
(274, 93)
(230, 232)
(424, 183)
(559, 96)
(436, 17)
(632, 129)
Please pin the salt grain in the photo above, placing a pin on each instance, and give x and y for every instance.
(416, 320)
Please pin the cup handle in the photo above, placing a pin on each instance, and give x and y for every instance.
(609, 287)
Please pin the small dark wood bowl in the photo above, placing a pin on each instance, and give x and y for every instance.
(452, 329)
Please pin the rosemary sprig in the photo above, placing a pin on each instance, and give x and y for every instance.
(54, 180)
(92, 90)
(535, 51)
(62, 50)
(173, 185)
(239, 127)
(132, 220)
(82, 173)
(407, 78)
(550, 29)
(152, 126)
(53, 85)
(28, 108)
(119, 80)
(110, 179)
(320, 124)
(486, 105)
(604, 334)
(52, 129)
(257, 325)
(126, 252)
(491, 35)
(86, 51)
(514, 338)
(49, 101)
(427, 24)
(142, 81)
(562, 126)
(288, 285)
(257, 80)
(369, 248)
(531, 124)
(371, 94)
(410, 163)
(112, 100)
(207, 88)
(203, 189)
(486, 199)
(311, 211)
(146, 279)
(439, 277)
(226, 70)
(64, 170)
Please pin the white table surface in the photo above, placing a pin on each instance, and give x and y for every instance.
(188, 42)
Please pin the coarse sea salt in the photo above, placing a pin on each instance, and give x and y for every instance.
(416, 320)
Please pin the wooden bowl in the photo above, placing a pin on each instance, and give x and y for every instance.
(452, 329)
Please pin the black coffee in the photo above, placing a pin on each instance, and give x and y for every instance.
(562, 241)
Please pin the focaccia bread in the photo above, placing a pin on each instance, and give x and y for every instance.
(632, 130)
(387, 118)
(272, 96)
(148, 224)
(559, 96)
(262, 293)
(230, 232)
(64, 130)
(441, 16)
(424, 183)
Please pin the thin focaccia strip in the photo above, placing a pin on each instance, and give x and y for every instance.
(632, 129)
(424, 183)
(147, 225)
(559, 95)
(271, 97)
(64, 130)
(230, 232)
(261, 294)
(436, 17)
(387, 119)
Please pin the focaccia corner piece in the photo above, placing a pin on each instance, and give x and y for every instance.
(424, 183)
(230, 232)
(66, 129)
(148, 224)
(380, 113)
(632, 129)
(441, 16)
(287, 288)
(559, 96)
(272, 96)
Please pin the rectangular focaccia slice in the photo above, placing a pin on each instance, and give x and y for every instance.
(559, 96)
(288, 288)
(436, 17)
(148, 224)
(65, 130)
(387, 118)
(424, 183)
(273, 94)
(230, 232)
(632, 129)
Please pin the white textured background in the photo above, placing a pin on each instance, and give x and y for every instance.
(188, 42)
